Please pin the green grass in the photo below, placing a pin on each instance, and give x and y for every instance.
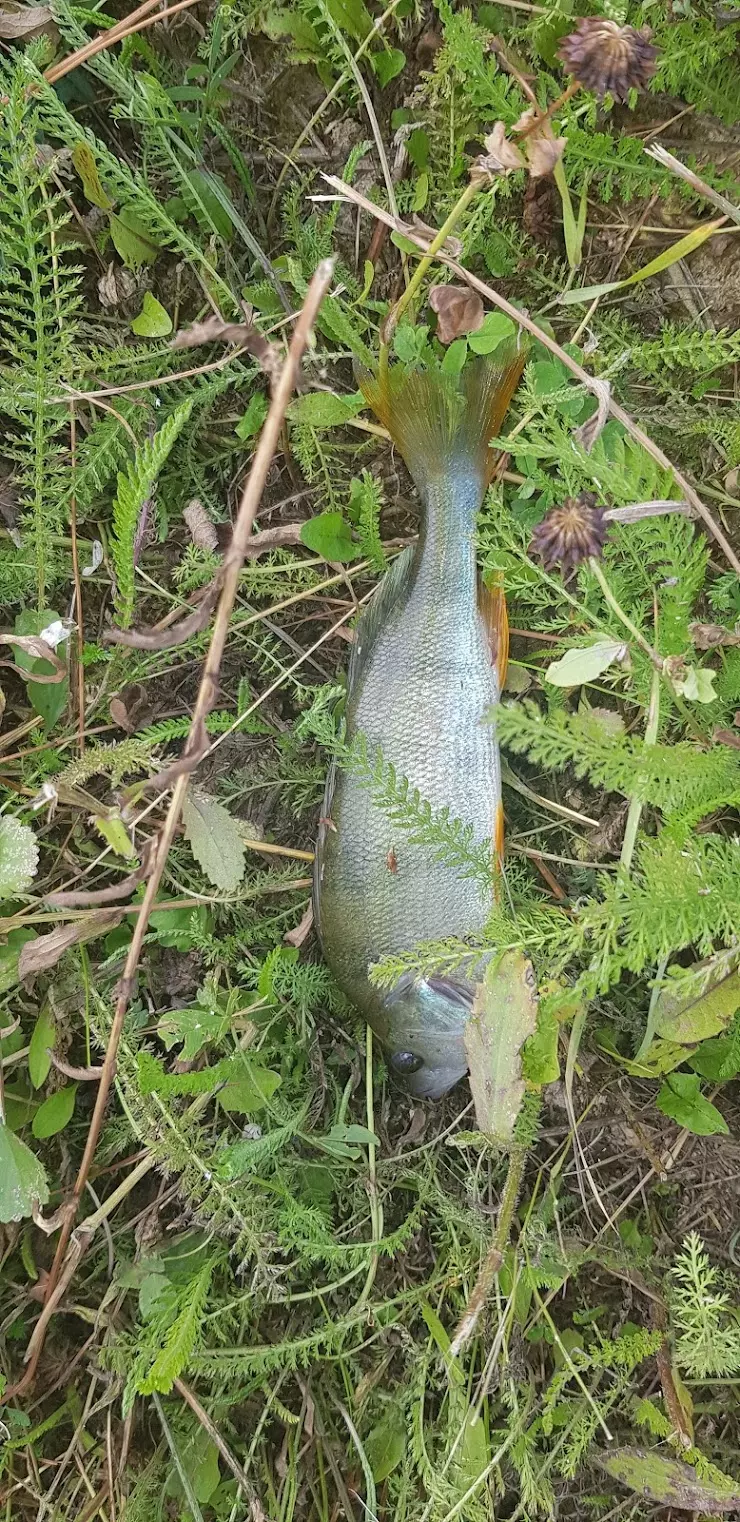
(281, 1246)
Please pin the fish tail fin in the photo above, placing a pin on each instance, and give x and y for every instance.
(439, 421)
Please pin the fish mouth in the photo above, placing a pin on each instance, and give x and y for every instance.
(431, 1083)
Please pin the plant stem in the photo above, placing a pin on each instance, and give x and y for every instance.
(636, 804)
(495, 1255)
(397, 311)
(617, 608)
(376, 1209)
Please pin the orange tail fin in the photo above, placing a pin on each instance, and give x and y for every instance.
(439, 421)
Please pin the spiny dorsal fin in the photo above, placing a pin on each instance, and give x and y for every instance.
(439, 421)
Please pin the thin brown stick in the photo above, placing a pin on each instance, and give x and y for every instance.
(136, 22)
(233, 562)
(240, 1475)
(523, 320)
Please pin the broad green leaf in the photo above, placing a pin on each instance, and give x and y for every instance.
(697, 684)
(193, 1027)
(251, 421)
(324, 409)
(681, 1099)
(115, 834)
(494, 329)
(717, 1059)
(585, 663)
(455, 357)
(540, 1063)
(214, 839)
(669, 256)
(55, 1113)
(84, 162)
(251, 1091)
(132, 240)
(386, 1444)
(49, 699)
(418, 148)
(388, 64)
(153, 320)
(504, 1017)
(19, 856)
(681, 1017)
(655, 1476)
(42, 1043)
(330, 536)
(352, 16)
(155, 1291)
(22, 1178)
(199, 1458)
(421, 193)
(209, 200)
(9, 954)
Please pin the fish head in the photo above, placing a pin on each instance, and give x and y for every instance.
(424, 1024)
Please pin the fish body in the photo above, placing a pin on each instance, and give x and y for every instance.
(421, 682)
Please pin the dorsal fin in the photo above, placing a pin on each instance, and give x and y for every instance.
(440, 421)
(376, 615)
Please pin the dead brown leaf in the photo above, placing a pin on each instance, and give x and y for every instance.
(213, 329)
(33, 645)
(589, 431)
(710, 636)
(202, 531)
(77, 898)
(43, 953)
(176, 634)
(459, 310)
(23, 20)
(542, 148)
(297, 936)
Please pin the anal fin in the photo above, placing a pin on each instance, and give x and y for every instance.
(492, 608)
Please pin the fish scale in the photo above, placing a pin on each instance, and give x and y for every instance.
(421, 683)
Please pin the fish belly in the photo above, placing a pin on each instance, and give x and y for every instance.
(421, 703)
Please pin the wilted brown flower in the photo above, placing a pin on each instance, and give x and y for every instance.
(570, 533)
(459, 310)
(501, 157)
(608, 58)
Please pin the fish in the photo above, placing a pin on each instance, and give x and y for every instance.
(424, 673)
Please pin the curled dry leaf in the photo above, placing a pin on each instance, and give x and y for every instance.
(23, 20)
(301, 931)
(459, 310)
(34, 645)
(45, 951)
(176, 634)
(709, 636)
(589, 431)
(202, 530)
(214, 330)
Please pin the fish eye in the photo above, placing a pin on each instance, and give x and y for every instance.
(406, 1062)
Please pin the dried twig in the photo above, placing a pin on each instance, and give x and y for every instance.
(523, 320)
(136, 22)
(662, 156)
(231, 570)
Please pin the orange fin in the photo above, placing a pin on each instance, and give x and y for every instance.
(440, 422)
(492, 606)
